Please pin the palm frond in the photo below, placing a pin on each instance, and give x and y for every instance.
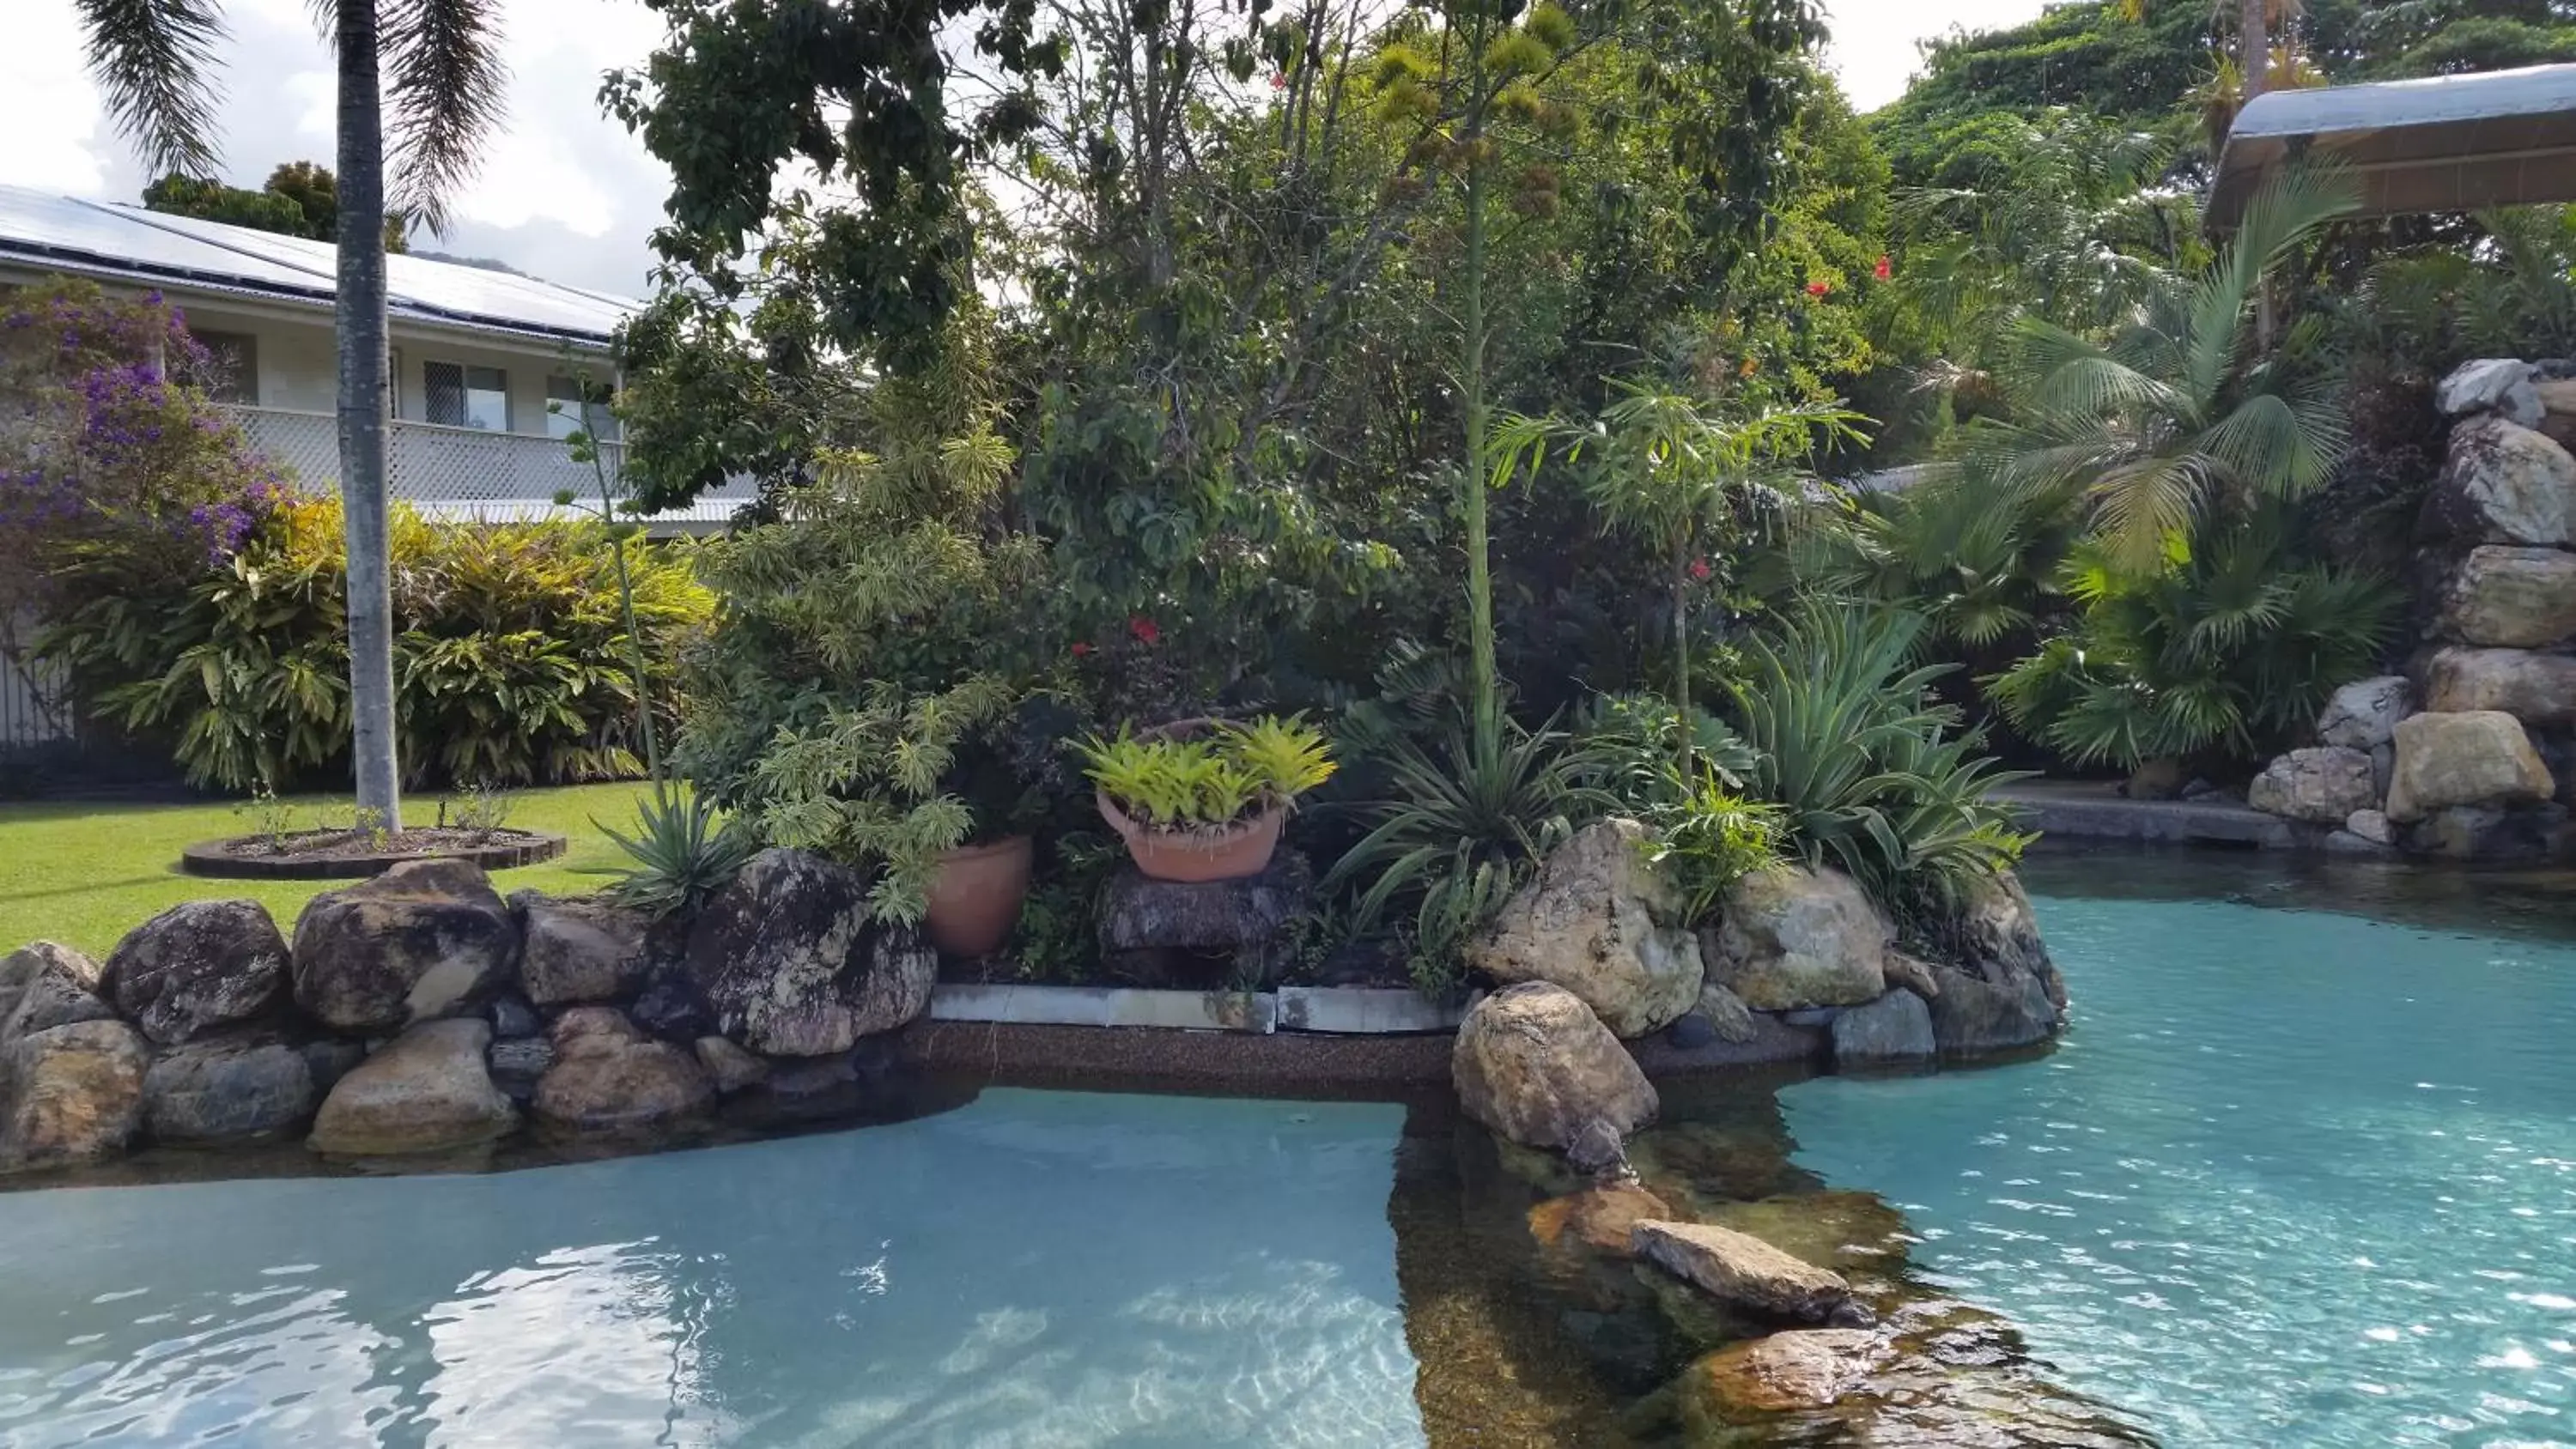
(446, 86)
(155, 62)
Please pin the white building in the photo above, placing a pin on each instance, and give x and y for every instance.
(477, 357)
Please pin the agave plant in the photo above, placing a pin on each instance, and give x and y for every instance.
(683, 850)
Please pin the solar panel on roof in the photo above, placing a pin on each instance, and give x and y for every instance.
(38, 223)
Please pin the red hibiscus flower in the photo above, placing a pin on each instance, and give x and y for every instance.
(1882, 271)
(1818, 289)
(1699, 569)
(1145, 629)
(1080, 649)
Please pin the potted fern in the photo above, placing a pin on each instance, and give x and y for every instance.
(1202, 800)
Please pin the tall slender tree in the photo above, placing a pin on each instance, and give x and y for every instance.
(431, 72)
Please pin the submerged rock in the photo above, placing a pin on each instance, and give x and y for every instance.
(45, 984)
(1839, 1231)
(2363, 715)
(214, 1091)
(1533, 1063)
(1742, 1271)
(787, 959)
(608, 1076)
(426, 939)
(2320, 786)
(2482, 757)
(579, 951)
(196, 968)
(1602, 1217)
(1813, 1368)
(1791, 938)
(2493, 833)
(427, 1090)
(1894, 1029)
(1599, 921)
(70, 1094)
(730, 1067)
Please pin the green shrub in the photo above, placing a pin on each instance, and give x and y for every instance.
(1173, 784)
(1868, 774)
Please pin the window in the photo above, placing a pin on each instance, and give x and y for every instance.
(467, 397)
(563, 413)
(233, 376)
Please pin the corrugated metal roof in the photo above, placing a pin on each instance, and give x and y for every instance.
(42, 229)
(2446, 143)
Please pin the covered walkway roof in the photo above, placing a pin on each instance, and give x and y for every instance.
(2449, 143)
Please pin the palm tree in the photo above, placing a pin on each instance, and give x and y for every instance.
(438, 62)
(2183, 413)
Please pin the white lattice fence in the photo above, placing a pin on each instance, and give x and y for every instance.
(427, 463)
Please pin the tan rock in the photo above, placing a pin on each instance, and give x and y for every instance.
(1603, 1218)
(1838, 1231)
(607, 1076)
(70, 1094)
(1599, 921)
(1791, 937)
(45, 984)
(730, 1067)
(1533, 1063)
(1742, 1271)
(1803, 1369)
(2481, 757)
(2511, 598)
(2537, 689)
(427, 1090)
(580, 950)
(2501, 482)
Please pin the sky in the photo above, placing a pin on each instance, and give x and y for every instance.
(564, 192)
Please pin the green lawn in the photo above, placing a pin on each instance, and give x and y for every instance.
(85, 874)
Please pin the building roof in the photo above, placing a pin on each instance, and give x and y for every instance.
(129, 244)
(2448, 143)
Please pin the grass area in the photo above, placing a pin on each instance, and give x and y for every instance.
(85, 874)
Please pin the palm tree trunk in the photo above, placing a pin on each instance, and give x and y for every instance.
(362, 329)
(1484, 681)
(1681, 646)
(2254, 46)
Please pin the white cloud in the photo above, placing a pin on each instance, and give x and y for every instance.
(1876, 45)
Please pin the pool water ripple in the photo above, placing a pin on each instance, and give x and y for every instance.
(2293, 1179)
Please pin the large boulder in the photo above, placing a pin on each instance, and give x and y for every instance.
(2537, 689)
(2502, 483)
(197, 968)
(1601, 922)
(2504, 386)
(1893, 1030)
(1742, 1271)
(226, 1090)
(70, 1094)
(426, 939)
(2509, 598)
(2002, 991)
(45, 984)
(427, 1090)
(1533, 1063)
(2363, 715)
(791, 965)
(2481, 757)
(607, 1076)
(578, 951)
(1790, 937)
(2320, 785)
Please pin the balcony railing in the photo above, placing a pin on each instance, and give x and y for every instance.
(429, 463)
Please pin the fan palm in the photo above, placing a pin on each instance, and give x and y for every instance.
(2181, 414)
(431, 71)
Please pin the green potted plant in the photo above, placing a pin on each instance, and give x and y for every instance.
(1202, 800)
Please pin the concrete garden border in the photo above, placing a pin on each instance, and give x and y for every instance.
(216, 858)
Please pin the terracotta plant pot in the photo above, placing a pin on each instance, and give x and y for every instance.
(1241, 849)
(975, 898)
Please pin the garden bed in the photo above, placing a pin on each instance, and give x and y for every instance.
(339, 854)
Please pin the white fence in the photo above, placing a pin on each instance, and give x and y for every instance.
(429, 463)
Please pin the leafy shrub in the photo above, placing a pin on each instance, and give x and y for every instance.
(683, 851)
(1174, 784)
(1867, 773)
(1706, 832)
(511, 665)
(1709, 839)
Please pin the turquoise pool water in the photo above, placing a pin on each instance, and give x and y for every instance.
(1035, 1269)
(2294, 1179)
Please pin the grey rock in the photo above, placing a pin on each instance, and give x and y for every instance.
(1601, 922)
(2372, 826)
(673, 1009)
(580, 951)
(2200, 789)
(1741, 1271)
(517, 1064)
(45, 984)
(2321, 785)
(2508, 598)
(731, 1068)
(2492, 834)
(2501, 385)
(196, 968)
(2344, 842)
(1158, 932)
(1691, 1031)
(426, 939)
(2006, 992)
(1814, 1018)
(427, 1090)
(1533, 1063)
(1791, 937)
(228, 1090)
(330, 1058)
(2537, 689)
(1896, 1027)
(1726, 1012)
(607, 1076)
(789, 962)
(70, 1094)
(2481, 757)
(513, 1018)
(2383, 768)
(2363, 715)
(2501, 482)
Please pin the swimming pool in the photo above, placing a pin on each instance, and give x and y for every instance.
(2294, 1178)
(1033, 1269)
